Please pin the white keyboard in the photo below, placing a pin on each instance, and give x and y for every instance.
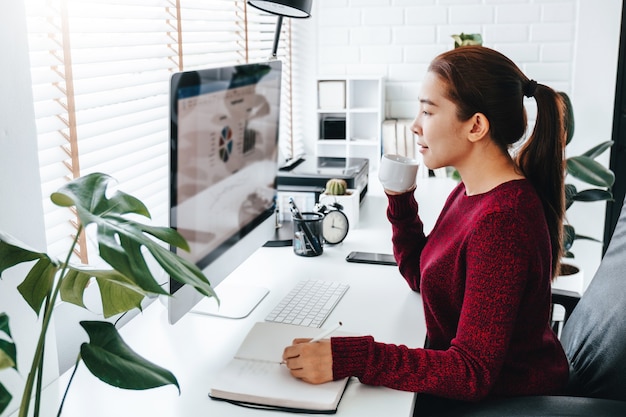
(309, 303)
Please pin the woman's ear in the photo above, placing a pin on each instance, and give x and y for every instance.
(479, 127)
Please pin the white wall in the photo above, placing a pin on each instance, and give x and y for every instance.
(593, 95)
(570, 45)
(21, 212)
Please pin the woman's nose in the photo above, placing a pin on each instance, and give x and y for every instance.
(416, 127)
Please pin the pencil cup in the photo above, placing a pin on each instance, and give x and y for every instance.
(307, 234)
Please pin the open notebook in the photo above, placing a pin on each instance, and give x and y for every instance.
(256, 378)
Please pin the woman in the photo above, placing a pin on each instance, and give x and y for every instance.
(485, 269)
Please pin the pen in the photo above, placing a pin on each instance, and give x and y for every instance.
(326, 333)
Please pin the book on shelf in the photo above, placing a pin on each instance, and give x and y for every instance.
(256, 378)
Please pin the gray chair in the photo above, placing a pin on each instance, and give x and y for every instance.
(594, 339)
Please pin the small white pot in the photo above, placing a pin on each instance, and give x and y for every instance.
(350, 203)
(570, 282)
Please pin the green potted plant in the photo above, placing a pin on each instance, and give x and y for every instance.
(121, 241)
(585, 168)
(464, 39)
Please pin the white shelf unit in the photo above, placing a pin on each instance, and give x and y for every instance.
(360, 103)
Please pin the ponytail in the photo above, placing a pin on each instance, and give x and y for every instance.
(542, 160)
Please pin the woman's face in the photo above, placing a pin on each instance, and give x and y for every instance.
(442, 137)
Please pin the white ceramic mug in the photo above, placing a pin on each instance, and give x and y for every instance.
(397, 173)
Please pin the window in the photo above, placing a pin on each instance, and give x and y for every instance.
(100, 72)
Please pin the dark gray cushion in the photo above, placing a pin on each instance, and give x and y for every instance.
(594, 337)
(541, 407)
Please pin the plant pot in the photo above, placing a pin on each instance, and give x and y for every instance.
(570, 278)
(350, 203)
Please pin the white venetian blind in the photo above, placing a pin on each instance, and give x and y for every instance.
(101, 71)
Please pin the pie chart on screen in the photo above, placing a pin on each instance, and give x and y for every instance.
(226, 143)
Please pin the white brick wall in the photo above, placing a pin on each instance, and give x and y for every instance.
(398, 38)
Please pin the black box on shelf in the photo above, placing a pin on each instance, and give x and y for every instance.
(333, 128)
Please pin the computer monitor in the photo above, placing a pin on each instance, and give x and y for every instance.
(223, 168)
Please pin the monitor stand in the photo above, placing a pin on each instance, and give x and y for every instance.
(283, 235)
(236, 301)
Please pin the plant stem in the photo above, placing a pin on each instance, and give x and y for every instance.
(37, 364)
(40, 371)
(67, 388)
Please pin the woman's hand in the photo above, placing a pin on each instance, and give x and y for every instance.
(310, 362)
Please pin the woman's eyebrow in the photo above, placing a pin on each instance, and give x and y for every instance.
(427, 101)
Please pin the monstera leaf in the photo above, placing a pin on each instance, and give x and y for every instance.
(109, 358)
(120, 239)
(8, 358)
(122, 243)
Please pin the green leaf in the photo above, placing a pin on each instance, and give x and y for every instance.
(125, 255)
(598, 149)
(118, 299)
(182, 270)
(568, 237)
(73, 287)
(4, 324)
(8, 352)
(88, 194)
(122, 241)
(5, 398)
(588, 170)
(14, 252)
(110, 359)
(583, 237)
(570, 192)
(167, 234)
(8, 355)
(38, 283)
(593, 195)
(118, 292)
(467, 39)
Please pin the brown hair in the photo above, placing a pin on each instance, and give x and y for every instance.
(481, 80)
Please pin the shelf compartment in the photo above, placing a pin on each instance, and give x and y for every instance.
(364, 126)
(364, 94)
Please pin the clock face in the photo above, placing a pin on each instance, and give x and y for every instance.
(335, 227)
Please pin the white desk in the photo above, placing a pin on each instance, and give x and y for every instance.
(378, 303)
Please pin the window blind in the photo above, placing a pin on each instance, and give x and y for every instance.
(101, 70)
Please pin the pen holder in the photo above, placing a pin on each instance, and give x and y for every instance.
(307, 234)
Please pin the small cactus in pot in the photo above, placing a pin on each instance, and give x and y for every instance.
(337, 195)
(336, 186)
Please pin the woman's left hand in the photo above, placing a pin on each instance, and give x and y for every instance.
(310, 362)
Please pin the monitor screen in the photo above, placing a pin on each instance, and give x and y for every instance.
(223, 167)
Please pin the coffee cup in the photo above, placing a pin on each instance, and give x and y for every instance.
(397, 173)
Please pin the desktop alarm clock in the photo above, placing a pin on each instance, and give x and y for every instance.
(335, 224)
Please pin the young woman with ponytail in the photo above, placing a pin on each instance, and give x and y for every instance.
(485, 269)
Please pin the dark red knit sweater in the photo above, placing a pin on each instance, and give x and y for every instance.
(484, 274)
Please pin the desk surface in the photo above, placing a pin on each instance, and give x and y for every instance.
(378, 303)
